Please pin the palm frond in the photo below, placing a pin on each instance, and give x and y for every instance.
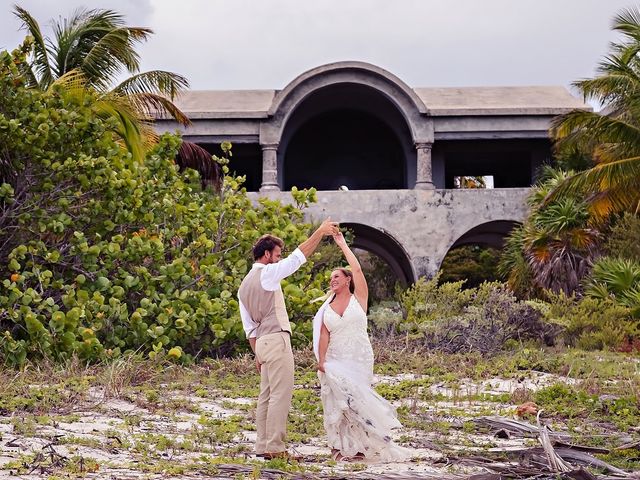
(133, 132)
(602, 176)
(73, 83)
(194, 156)
(627, 21)
(618, 182)
(88, 50)
(100, 39)
(168, 84)
(548, 179)
(112, 53)
(41, 63)
(152, 93)
(588, 130)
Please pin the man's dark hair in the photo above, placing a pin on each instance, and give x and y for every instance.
(266, 243)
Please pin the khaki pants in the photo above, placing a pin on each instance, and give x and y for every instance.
(273, 351)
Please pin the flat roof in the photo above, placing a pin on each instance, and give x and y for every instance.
(533, 100)
(440, 101)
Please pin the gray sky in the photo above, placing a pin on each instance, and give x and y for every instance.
(239, 44)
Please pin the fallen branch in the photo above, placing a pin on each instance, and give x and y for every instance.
(556, 463)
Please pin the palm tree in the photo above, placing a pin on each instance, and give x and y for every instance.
(89, 51)
(194, 156)
(555, 246)
(87, 54)
(613, 137)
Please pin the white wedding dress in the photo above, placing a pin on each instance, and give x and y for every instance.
(356, 418)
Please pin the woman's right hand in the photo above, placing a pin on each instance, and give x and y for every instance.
(339, 239)
(321, 367)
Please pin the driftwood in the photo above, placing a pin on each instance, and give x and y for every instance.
(555, 461)
(556, 456)
(515, 427)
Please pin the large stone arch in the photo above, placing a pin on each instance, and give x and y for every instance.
(286, 101)
(324, 90)
(346, 134)
(489, 234)
(385, 246)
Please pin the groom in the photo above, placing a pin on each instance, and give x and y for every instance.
(266, 324)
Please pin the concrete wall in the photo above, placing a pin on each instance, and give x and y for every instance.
(426, 223)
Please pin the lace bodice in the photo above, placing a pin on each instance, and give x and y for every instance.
(348, 338)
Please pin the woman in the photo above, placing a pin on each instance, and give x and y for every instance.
(358, 421)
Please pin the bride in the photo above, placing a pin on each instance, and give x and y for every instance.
(358, 421)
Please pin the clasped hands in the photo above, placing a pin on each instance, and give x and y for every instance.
(329, 228)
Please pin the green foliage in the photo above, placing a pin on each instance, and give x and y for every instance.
(589, 323)
(451, 319)
(622, 240)
(381, 279)
(87, 53)
(384, 318)
(554, 247)
(570, 158)
(618, 279)
(102, 254)
(472, 263)
(612, 140)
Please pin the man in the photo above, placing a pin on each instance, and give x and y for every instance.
(266, 323)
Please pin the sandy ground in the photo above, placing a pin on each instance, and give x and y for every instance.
(119, 438)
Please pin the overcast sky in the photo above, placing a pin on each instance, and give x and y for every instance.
(240, 44)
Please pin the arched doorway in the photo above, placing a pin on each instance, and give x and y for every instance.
(344, 148)
(363, 120)
(386, 247)
(490, 234)
(474, 256)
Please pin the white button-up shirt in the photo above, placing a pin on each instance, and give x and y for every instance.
(272, 274)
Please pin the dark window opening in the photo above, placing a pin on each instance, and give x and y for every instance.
(246, 159)
(344, 148)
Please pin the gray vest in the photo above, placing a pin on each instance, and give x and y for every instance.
(266, 308)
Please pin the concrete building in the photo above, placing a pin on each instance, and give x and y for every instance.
(385, 157)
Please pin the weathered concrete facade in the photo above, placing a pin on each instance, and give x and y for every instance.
(414, 229)
(397, 149)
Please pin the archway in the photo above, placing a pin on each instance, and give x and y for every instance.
(383, 245)
(490, 234)
(346, 100)
(474, 256)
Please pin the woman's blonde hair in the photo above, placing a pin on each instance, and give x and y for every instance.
(348, 273)
(327, 295)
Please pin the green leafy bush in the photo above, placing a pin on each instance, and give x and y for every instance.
(101, 254)
(589, 323)
(622, 240)
(452, 319)
(473, 263)
(617, 279)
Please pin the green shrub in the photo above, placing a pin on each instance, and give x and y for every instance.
(385, 318)
(622, 240)
(617, 279)
(590, 323)
(485, 319)
(473, 263)
(102, 255)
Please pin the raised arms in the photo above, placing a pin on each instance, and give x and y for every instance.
(360, 283)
